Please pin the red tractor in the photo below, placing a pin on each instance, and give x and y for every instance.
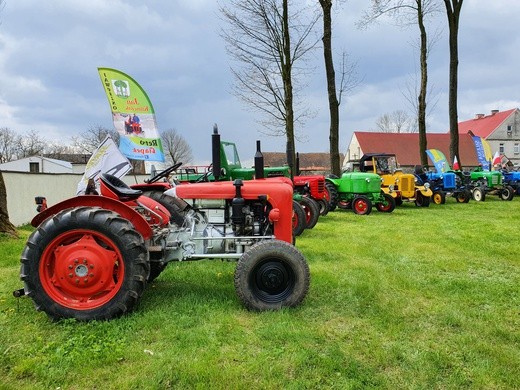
(91, 256)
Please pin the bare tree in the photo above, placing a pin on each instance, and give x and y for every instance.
(176, 148)
(396, 122)
(348, 81)
(30, 144)
(453, 8)
(8, 145)
(88, 141)
(267, 41)
(410, 12)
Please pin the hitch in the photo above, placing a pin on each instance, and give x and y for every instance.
(19, 293)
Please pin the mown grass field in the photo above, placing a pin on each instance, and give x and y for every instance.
(423, 298)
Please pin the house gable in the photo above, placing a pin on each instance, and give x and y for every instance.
(486, 125)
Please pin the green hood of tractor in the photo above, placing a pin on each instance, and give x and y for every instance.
(358, 183)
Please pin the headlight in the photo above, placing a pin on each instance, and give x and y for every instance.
(427, 185)
(391, 188)
(367, 179)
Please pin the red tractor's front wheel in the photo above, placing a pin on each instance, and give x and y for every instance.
(312, 211)
(271, 275)
(85, 263)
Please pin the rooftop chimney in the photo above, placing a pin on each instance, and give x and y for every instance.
(493, 112)
(479, 116)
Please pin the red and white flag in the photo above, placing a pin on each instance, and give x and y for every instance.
(456, 165)
(497, 158)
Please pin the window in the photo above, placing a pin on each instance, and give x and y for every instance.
(509, 130)
(516, 149)
(34, 167)
(501, 148)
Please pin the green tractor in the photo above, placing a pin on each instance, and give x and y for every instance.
(489, 182)
(358, 191)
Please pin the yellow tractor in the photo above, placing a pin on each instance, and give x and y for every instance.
(400, 185)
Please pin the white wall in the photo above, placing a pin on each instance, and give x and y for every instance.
(22, 187)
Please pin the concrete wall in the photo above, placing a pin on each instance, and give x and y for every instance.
(22, 187)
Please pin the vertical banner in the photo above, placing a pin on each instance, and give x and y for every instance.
(483, 150)
(439, 160)
(133, 116)
(106, 159)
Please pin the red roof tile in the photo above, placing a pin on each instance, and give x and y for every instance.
(484, 125)
(406, 146)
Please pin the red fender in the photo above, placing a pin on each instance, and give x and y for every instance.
(122, 209)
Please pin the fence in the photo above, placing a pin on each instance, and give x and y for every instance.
(23, 187)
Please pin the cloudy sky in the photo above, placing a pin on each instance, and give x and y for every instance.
(50, 52)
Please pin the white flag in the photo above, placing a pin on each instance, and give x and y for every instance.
(106, 159)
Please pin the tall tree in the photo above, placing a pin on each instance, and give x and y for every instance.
(176, 148)
(453, 8)
(408, 12)
(31, 144)
(266, 40)
(335, 165)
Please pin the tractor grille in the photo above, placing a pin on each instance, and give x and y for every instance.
(449, 181)
(494, 180)
(407, 183)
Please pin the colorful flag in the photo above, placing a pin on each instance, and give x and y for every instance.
(438, 159)
(483, 150)
(456, 166)
(106, 159)
(133, 116)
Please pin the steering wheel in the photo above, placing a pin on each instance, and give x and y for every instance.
(164, 173)
(205, 176)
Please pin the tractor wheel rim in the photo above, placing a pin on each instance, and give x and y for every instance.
(273, 281)
(81, 269)
(361, 206)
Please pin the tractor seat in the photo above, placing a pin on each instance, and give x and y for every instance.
(120, 188)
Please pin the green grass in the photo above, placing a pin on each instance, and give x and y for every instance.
(423, 298)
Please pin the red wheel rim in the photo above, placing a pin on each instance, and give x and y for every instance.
(361, 206)
(81, 269)
(384, 207)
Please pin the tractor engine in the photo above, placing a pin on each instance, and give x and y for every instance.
(216, 227)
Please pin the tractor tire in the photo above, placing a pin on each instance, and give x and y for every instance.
(324, 207)
(298, 219)
(271, 275)
(439, 197)
(332, 195)
(312, 212)
(479, 195)
(421, 200)
(344, 205)
(175, 207)
(85, 263)
(388, 206)
(361, 205)
(463, 196)
(156, 268)
(507, 193)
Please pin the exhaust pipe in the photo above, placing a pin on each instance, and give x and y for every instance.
(259, 162)
(215, 152)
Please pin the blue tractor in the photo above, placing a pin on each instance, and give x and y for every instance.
(444, 182)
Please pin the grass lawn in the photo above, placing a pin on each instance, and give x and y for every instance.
(422, 298)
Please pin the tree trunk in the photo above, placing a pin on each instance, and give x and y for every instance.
(421, 108)
(453, 14)
(335, 164)
(288, 90)
(5, 225)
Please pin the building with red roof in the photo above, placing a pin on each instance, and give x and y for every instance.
(500, 129)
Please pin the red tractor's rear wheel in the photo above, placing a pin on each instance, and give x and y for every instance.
(312, 211)
(271, 275)
(331, 193)
(85, 263)
(298, 219)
